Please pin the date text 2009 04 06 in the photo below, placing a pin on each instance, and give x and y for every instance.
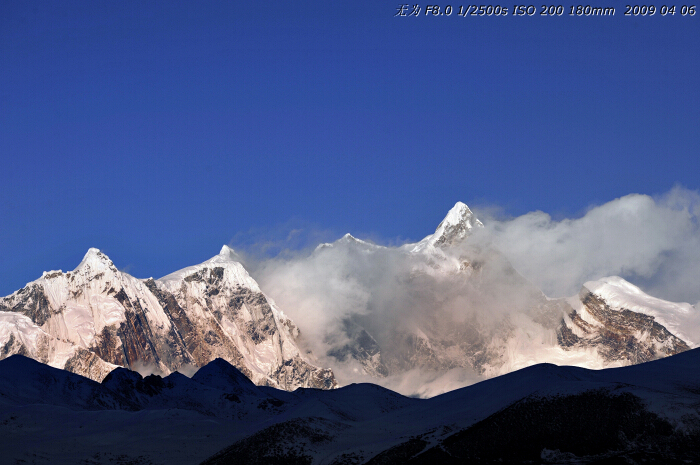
(407, 10)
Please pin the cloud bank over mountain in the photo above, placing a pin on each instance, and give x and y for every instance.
(653, 242)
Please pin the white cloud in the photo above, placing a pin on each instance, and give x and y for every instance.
(652, 242)
(393, 294)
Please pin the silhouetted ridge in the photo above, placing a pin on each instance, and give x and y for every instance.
(541, 414)
(222, 375)
(26, 381)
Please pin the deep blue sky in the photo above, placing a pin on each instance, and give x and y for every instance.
(158, 131)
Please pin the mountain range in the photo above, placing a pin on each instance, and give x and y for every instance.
(96, 318)
(449, 302)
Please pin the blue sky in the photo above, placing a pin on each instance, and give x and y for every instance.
(158, 131)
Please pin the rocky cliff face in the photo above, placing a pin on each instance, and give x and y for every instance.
(95, 318)
(618, 334)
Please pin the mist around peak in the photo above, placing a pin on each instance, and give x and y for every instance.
(485, 287)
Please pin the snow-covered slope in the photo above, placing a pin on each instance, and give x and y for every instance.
(681, 319)
(624, 324)
(95, 318)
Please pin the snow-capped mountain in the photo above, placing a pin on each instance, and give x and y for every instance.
(449, 302)
(96, 318)
(457, 303)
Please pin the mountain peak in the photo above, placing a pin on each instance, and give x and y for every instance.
(96, 260)
(459, 214)
(92, 251)
(352, 241)
(227, 251)
(227, 258)
(457, 224)
(222, 375)
(226, 255)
